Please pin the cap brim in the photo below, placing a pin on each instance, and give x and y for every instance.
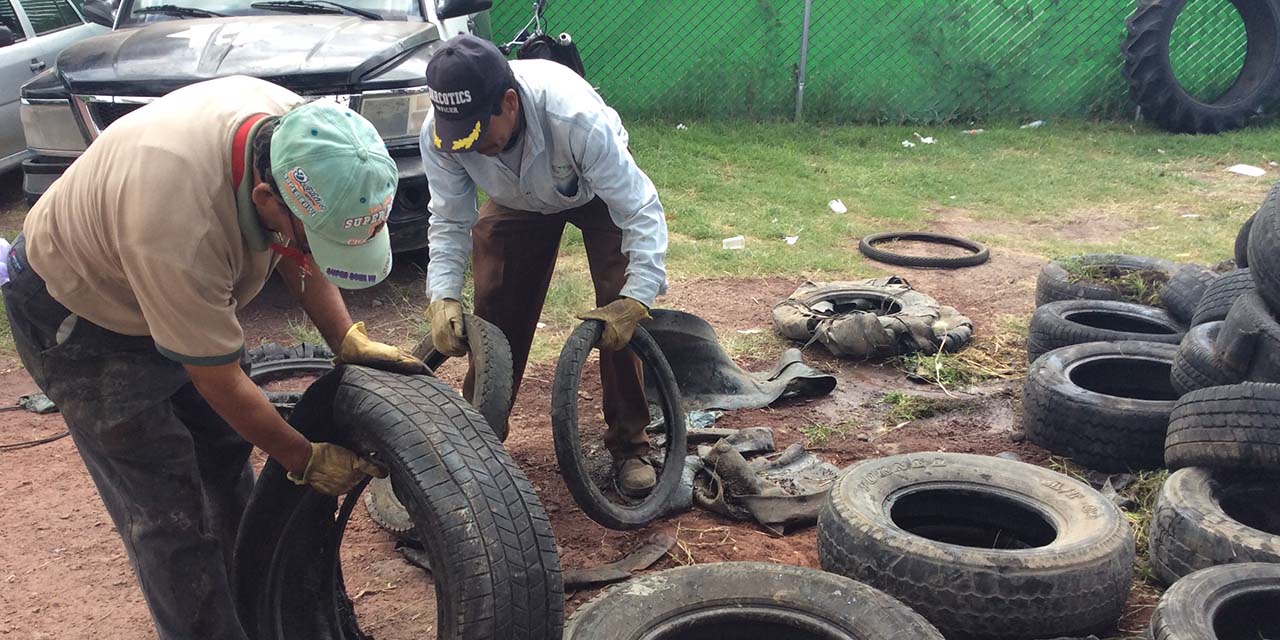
(353, 266)
(458, 136)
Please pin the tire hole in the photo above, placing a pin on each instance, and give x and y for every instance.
(1122, 377)
(1255, 507)
(1207, 49)
(1119, 322)
(971, 518)
(746, 623)
(1249, 616)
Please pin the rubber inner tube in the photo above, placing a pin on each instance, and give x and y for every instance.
(979, 253)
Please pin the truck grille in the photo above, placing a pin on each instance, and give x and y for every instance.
(105, 113)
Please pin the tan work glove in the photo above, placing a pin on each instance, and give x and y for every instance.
(447, 335)
(357, 348)
(620, 318)
(334, 470)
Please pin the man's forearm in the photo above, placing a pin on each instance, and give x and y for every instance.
(241, 403)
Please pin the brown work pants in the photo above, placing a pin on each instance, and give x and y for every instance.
(514, 254)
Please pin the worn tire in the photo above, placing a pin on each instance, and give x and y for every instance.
(745, 601)
(1232, 602)
(1196, 366)
(1264, 250)
(1191, 528)
(1249, 340)
(1182, 293)
(1230, 428)
(1221, 294)
(273, 361)
(1067, 322)
(1064, 571)
(1242, 242)
(1154, 86)
(1054, 283)
(978, 252)
(494, 559)
(490, 356)
(1104, 405)
(568, 444)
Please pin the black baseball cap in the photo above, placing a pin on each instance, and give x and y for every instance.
(467, 77)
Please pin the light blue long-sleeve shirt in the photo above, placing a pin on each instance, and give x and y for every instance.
(575, 149)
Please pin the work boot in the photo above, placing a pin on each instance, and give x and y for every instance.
(636, 477)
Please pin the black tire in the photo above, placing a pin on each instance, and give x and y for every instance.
(273, 361)
(1105, 405)
(1233, 602)
(1195, 366)
(1154, 86)
(1182, 293)
(1249, 340)
(980, 546)
(494, 560)
(1067, 322)
(490, 354)
(745, 601)
(1242, 243)
(979, 252)
(1206, 518)
(1231, 427)
(1264, 249)
(1221, 294)
(1054, 282)
(568, 444)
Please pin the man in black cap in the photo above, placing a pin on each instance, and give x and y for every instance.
(548, 151)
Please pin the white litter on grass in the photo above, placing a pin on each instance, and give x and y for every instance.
(1033, 125)
(1274, 163)
(542, 325)
(1160, 151)
(792, 239)
(681, 127)
(838, 206)
(734, 243)
(750, 332)
(925, 139)
(1191, 216)
(973, 132)
(1248, 170)
(907, 144)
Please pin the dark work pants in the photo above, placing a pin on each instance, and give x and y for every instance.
(172, 474)
(514, 255)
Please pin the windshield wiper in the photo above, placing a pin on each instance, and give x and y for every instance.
(315, 6)
(182, 12)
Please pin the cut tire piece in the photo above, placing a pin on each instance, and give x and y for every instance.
(1221, 294)
(490, 355)
(568, 443)
(1153, 84)
(494, 560)
(1231, 428)
(981, 546)
(979, 253)
(1067, 322)
(1264, 258)
(1105, 405)
(1249, 340)
(1196, 366)
(1182, 293)
(1206, 518)
(1055, 283)
(273, 361)
(1230, 602)
(745, 601)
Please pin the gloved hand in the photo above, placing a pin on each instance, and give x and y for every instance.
(357, 348)
(620, 318)
(334, 470)
(445, 316)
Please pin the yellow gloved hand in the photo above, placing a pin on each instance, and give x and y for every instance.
(620, 318)
(334, 470)
(357, 348)
(447, 333)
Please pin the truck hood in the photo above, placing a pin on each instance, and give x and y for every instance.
(304, 53)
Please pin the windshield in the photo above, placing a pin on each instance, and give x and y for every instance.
(136, 12)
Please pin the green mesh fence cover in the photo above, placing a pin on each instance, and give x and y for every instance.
(876, 60)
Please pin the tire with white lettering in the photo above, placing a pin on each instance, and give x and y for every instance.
(981, 546)
(746, 601)
(1205, 518)
(1105, 405)
(1232, 602)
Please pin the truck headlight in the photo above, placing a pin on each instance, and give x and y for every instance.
(398, 114)
(51, 128)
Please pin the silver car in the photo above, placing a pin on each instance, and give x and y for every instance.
(32, 33)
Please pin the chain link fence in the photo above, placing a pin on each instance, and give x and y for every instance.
(875, 60)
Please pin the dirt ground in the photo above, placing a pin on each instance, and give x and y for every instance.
(63, 572)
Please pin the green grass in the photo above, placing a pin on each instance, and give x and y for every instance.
(904, 407)
(303, 331)
(816, 434)
(1142, 287)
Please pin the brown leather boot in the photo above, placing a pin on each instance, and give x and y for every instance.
(636, 477)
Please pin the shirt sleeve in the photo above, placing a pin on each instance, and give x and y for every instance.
(453, 214)
(612, 174)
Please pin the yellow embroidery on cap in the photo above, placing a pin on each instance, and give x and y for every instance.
(466, 142)
(435, 137)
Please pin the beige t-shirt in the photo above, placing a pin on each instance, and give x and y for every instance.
(141, 235)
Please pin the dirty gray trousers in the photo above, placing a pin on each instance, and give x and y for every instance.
(174, 477)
